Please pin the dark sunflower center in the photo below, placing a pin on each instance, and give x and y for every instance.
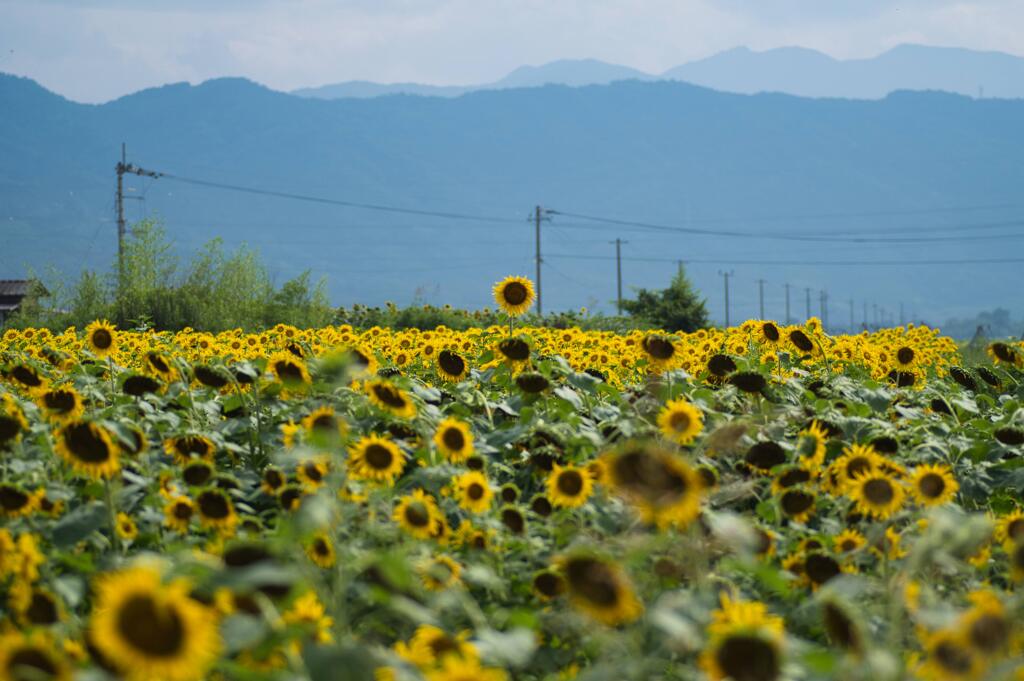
(905, 355)
(532, 382)
(856, 466)
(389, 396)
(679, 421)
(953, 658)
(594, 581)
(990, 632)
(548, 584)
(102, 339)
(770, 331)
(515, 349)
(325, 423)
(747, 658)
(1015, 529)
(13, 499)
(158, 363)
(9, 427)
(139, 385)
(794, 476)
(570, 483)
(765, 455)
(42, 610)
(288, 371)
(313, 472)
(26, 376)
(86, 443)
(720, 365)
(274, 479)
(932, 485)
(821, 568)
(182, 511)
(800, 340)
(451, 363)
(879, 491)
(214, 505)
(210, 377)
(513, 520)
(150, 627)
(61, 401)
(475, 491)
(795, 502)
(541, 506)
(379, 457)
(190, 445)
(453, 439)
(197, 474)
(515, 293)
(841, 628)
(659, 347)
(442, 645)
(1004, 352)
(417, 515)
(748, 381)
(321, 548)
(30, 663)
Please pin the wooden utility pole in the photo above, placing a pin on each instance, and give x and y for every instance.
(788, 319)
(760, 297)
(726, 275)
(807, 290)
(618, 273)
(122, 229)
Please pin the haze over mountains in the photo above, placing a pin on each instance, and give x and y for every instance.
(790, 70)
(749, 179)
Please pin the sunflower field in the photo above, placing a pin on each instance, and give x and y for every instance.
(753, 503)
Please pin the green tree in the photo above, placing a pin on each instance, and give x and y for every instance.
(677, 308)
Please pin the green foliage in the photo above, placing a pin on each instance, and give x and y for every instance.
(425, 317)
(677, 308)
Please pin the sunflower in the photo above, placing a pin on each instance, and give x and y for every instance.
(841, 625)
(532, 382)
(663, 487)
(158, 364)
(375, 458)
(876, 494)
(312, 472)
(12, 420)
(848, 541)
(797, 504)
(290, 370)
(101, 337)
(61, 404)
(986, 626)
(178, 514)
(473, 491)
(455, 669)
(933, 485)
(126, 527)
(514, 295)
(186, 447)
(417, 513)
(440, 573)
(811, 445)
(744, 642)
(272, 480)
(320, 550)
(548, 584)
(1003, 353)
(768, 334)
(451, 366)
(514, 351)
(216, 510)
(16, 502)
(680, 421)
(513, 519)
(149, 630)
(569, 486)
(324, 426)
(211, 376)
(856, 460)
(89, 448)
(949, 657)
(28, 378)
(27, 657)
(35, 606)
(454, 439)
(140, 385)
(660, 350)
(1010, 527)
(390, 398)
(600, 589)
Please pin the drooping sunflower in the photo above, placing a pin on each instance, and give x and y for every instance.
(933, 485)
(842, 625)
(320, 550)
(797, 504)
(768, 334)
(451, 366)
(27, 377)
(216, 510)
(16, 502)
(178, 514)
(160, 365)
(745, 642)
(1004, 353)
(440, 573)
(186, 447)
(454, 439)
(324, 426)
(290, 370)
(569, 486)
(514, 351)
(389, 397)
(89, 448)
(876, 494)
(660, 350)
(416, 513)
(599, 588)
(375, 458)
(473, 491)
(28, 657)
(101, 338)
(811, 445)
(663, 487)
(150, 630)
(514, 295)
(949, 657)
(61, 404)
(140, 385)
(211, 376)
(680, 421)
(12, 420)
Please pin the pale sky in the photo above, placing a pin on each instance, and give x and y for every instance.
(96, 50)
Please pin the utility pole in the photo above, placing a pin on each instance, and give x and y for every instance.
(902, 319)
(122, 229)
(874, 313)
(760, 296)
(787, 306)
(823, 299)
(865, 315)
(726, 275)
(852, 329)
(679, 267)
(539, 215)
(807, 290)
(618, 273)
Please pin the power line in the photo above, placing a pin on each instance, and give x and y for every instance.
(716, 261)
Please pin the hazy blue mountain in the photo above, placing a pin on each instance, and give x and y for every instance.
(791, 70)
(573, 72)
(656, 152)
(808, 73)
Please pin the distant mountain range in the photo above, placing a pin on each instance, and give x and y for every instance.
(790, 70)
(740, 182)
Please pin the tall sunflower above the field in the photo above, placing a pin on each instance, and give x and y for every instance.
(514, 295)
(101, 337)
(151, 630)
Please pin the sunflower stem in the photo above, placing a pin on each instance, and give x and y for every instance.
(111, 515)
